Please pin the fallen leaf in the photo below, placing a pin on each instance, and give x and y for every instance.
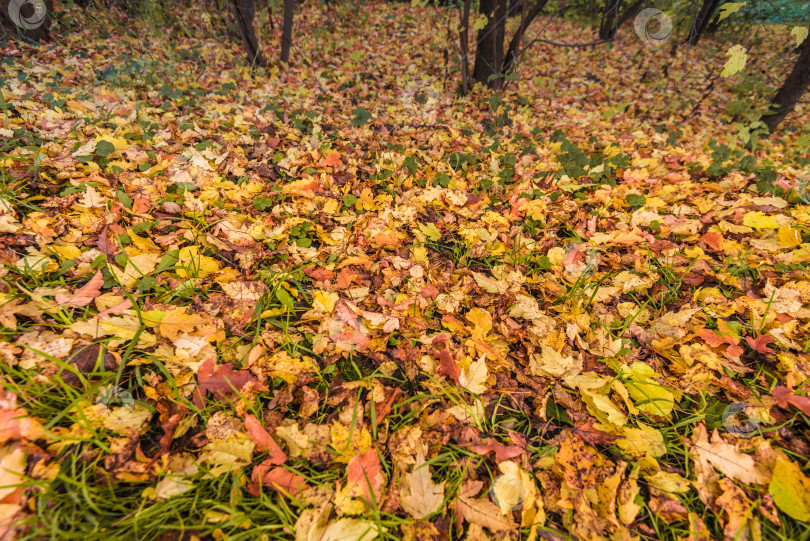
(480, 511)
(263, 440)
(420, 495)
(785, 396)
(84, 295)
(278, 478)
(790, 489)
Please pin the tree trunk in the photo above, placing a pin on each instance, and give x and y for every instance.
(286, 30)
(29, 20)
(629, 13)
(608, 26)
(513, 51)
(464, 44)
(792, 89)
(243, 11)
(515, 8)
(489, 55)
(705, 15)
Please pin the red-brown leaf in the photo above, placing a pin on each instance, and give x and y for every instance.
(381, 409)
(785, 396)
(104, 245)
(264, 441)
(760, 343)
(222, 381)
(84, 295)
(277, 478)
(589, 434)
(447, 366)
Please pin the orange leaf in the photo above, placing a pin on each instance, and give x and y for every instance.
(332, 160)
(713, 240)
(263, 440)
(710, 337)
(278, 478)
(83, 295)
(760, 343)
(304, 187)
(364, 472)
(785, 396)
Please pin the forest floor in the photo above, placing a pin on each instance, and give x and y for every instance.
(334, 300)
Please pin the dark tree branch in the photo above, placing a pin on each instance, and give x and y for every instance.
(243, 12)
(286, 30)
(514, 45)
(792, 89)
(464, 43)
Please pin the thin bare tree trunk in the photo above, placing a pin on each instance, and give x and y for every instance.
(614, 17)
(629, 13)
(286, 30)
(608, 27)
(244, 10)
(464, 43)
(705, 15)
(26, 20)
(489, 55)
(792, 89)
(513, 51)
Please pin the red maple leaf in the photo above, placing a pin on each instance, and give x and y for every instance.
(760, 343)
(222, 381)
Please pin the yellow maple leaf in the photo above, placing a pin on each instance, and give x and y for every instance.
(176, 321)
(760, 220)
(789, 238)
(191, 264)
(482, 322)
(736, 62)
